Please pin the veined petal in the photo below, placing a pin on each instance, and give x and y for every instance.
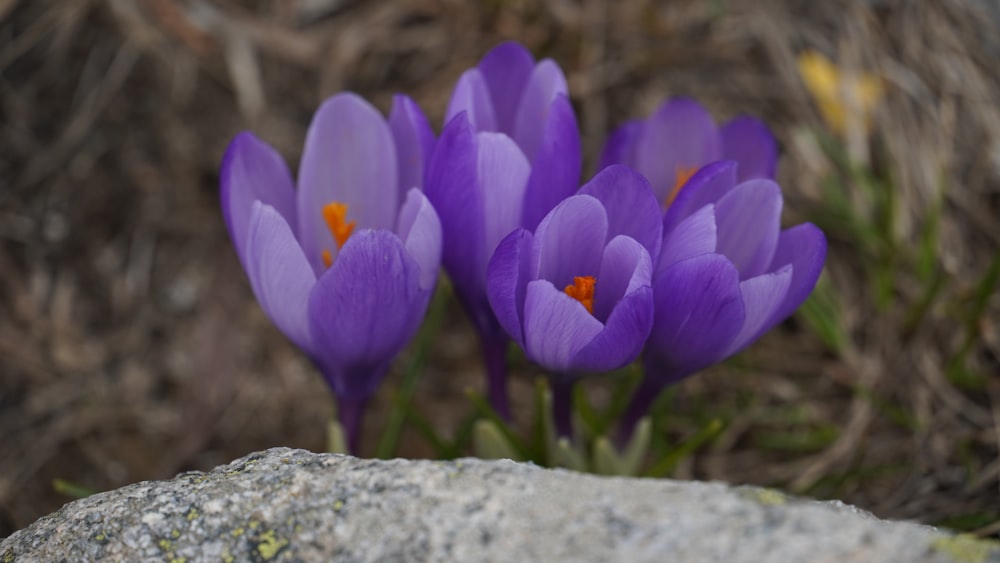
(620, 146)
(556, 326)
(472, 97)
(708, 185)
(503, 178)
(364, 309)
(253, 171)
(762, 296)
(506, 70)
(749, 221)
(279, 273)
(630, 204)
(699, 311)
(453, 188)
(679, 137)
(621, 340)
(507, 281)
(414, 142)
(569, 241)
(349, 157)
(420, 230)
(804, 247)
(555, 171)
(694, 236)
(545, 84)
(625, 266)
(750, 143)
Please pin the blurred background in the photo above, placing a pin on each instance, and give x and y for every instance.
(131, 347)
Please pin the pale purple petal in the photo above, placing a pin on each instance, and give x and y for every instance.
(507, 281)
(452, 187)
(364, 309)
(420, 230)
(555, 172)
(556, 326)
(620, 146)
(749, 221)
(623, 336)
(503, 177)
(750, 143)
(625, 266)
(253, 171)
(472, 97)
(699, 311)
(414, 142)
(533, 111)
(708, 185)
(804, 247)
(506, 70)
(279, 273)
(761, 296)
(681, 136)
(349, 157)
(631, 207)
(569, 241)
(694, 236)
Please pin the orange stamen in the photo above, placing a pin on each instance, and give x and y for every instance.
(327, 258)
(682, 175)
(583, 291)
(335, 215)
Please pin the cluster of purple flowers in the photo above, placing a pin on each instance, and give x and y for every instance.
(673, 251)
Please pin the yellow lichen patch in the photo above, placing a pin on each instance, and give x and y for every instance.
(8, 556)
(192, 514)
(165, 544)
(765, 496)
(338, 505)
(237, 532)
(178, 559)
(269, 545)
(966, 548)
(175, 534)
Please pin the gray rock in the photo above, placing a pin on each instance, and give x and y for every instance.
(292, 505)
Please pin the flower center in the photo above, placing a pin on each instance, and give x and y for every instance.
(335, 215)
(681, 176)
(582, 290)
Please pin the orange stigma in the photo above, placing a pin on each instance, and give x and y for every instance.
(583, 291)
(681, 177)
(335, 215)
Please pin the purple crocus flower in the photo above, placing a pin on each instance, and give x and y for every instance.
(510, 151)
(576, 294)
(726, 274)
(681, 137)
(345, 265)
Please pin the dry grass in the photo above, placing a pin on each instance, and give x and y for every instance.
(131, 347)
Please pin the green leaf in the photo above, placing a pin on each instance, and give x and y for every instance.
(489, 442)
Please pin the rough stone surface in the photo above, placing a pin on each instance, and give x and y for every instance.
(293, 505)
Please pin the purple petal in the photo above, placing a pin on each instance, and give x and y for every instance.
(694, 236)
(349, 157)
(364, 309)
(279, 273)
(420, 230)
(506, 70)
(708, 185)
(507, 281)
(533, 111)
(681, 136)
(503, 177)
(623, 336)
(570, 240)
(749, 221)
(762, 296)
(253, 171)
(452, 187)
(472, 97)
(631, 207)
(620, 146)
(414, 142)
(555, 171)
(699, 312)
(804, 247)
(625, 266)
(750, 143)
(556, 326)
